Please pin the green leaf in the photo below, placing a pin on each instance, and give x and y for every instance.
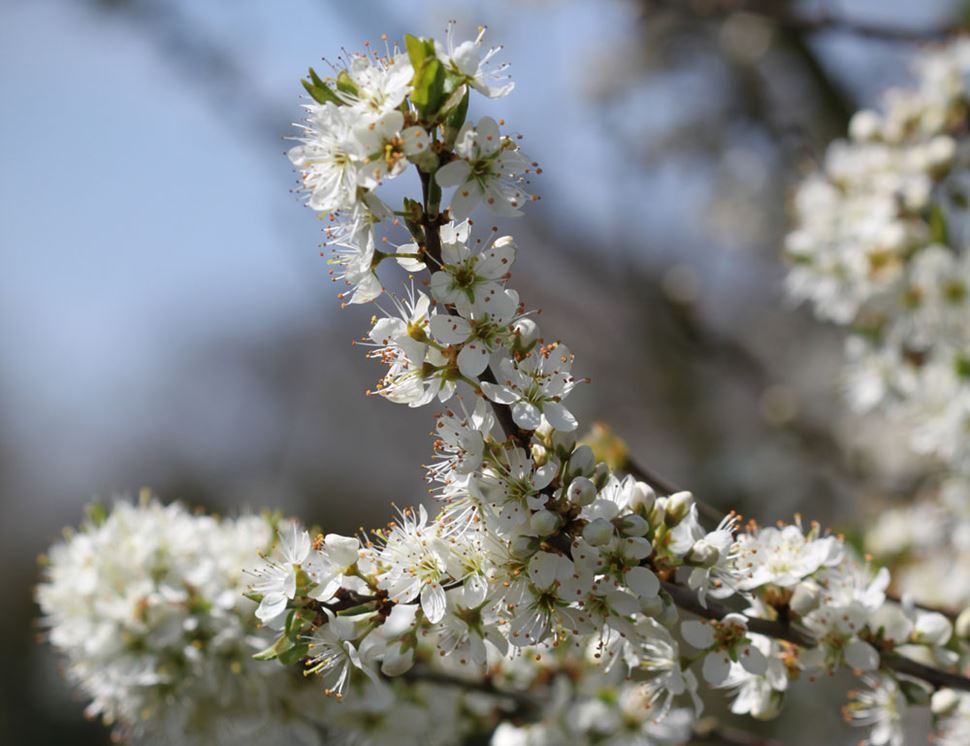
(282, 644)
(938, 227)
(429, 88)
(418, 50)
(294, 654)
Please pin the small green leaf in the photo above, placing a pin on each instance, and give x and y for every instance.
(429, 88)
(938, 227)
(455, 120)
(282, 644)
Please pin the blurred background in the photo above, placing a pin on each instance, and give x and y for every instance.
(166, 321)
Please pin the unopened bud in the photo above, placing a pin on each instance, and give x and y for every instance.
(633, 525)
(806, 598)
(523, 547)
(526, 333)
(598, 532)
(703, 554)
(678, 506)
(582, 461)
(581, 491)
(563, 443)
(601, 475)
(544, 522)
(642, 497)
(658, 512)
(943, 702)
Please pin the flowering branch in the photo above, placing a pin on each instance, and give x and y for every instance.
(543, 570)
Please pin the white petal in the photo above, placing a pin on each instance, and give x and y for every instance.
(433, 602)
(543, 568)
(465, 199)
(526, 415)
(717, 667)
(753, 660)
(449, 330)
(473, 359)
(499, 394)
(489, 136)
(342, 550)
(861, 655)
(697, 634)
(409, 264)
(453, 174)
(559, 417)
(272, 605)
(642, 581)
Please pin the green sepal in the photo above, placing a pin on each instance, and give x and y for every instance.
(294, 655)
(412, 220)
(345, 83)
(282, 644)
(319, 90)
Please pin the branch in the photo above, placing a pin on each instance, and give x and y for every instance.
(812, 24)
(687, 600)
(526, 706)
(668, 488)
(432, 239)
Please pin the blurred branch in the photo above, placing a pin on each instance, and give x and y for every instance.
(782, 17)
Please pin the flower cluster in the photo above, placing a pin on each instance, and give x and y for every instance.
(880, 245)
(146, 604)
(539, 550)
